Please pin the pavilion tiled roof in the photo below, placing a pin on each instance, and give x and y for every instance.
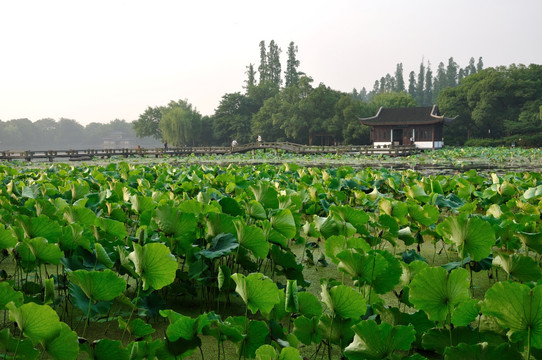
(425, 115)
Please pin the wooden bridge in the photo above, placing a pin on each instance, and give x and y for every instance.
(89, 154)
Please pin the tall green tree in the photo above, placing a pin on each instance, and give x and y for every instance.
(273, 63)
(439, 82)
(451, 73)
(428, 92)
(394, 100)
(148, 123)
(420, 84)
(471, 68)
(232, 119)
(250, 82)
(400, 82)
(180, 124)
(263, 68)
(292, 75)
(412, 84)
(479, 64)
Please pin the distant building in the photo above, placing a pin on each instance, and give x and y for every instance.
(118, 140)
(419, 126)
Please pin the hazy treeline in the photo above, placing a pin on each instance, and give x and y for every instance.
(48, 134)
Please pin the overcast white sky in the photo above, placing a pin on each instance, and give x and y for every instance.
(96, 61)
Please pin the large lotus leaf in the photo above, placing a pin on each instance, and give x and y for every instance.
(395, 317)
(426, 215)
(40, 226)
(24, 347)
(98, 285)
(283, 222)
(438, 339)
(336, 329)
(81, 215)
(252, 238)
(343, 301)
(532, 192)
(376, 342)
(221, 245)
(265, 195)
(141, 204)
(218, 223)
(361, 266)
(136, 327)
(8, 294)
(289, 353)
(309, 305)
(358, 218)
(80, 300)
(386, 281)
(256, 336)
(531, 240)
(106, 349)
(306, 329)
(41, 249)
(258, 292)
(334, 245)
(155, 264)
(174, 222)
(112, 227)
(474, 236)
(438, 292)
(75, 235)
(65, 346)
(466, 312)
(521, 267)
(37, 322)
(482, 351)
(256, 210)
(417, 192)
(8, 239)
(517, 307)
(231, 206)
(180, 326)
(266, 352)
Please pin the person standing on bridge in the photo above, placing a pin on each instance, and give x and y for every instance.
(233, 144)
(259, 140)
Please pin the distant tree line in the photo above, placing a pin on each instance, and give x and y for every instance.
(493, 106)
(48, 134)
(287, 106)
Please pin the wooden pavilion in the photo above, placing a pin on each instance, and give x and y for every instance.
(419, 126)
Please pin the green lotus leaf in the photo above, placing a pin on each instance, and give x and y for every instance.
(136, 327)
(41, 226)
(252, 238)
(75, 235)
(37, 322)
(473, 237)
(221, 245)
(8, 239)
(386, 281)
(224, 277)
(521, 267)
(466, 312)
(289, 353)
(291, 303)
(265, 194)
(98, 285)
(65, 346)
(307, 330)
(106, 349)
(174, 222)
(374, 341)
(284, 223)
(419, 320)
(103, 256)
(24, 347)
(266, 352)
(309, 305)
(112, 227)
(438, 292)
(336, 329)
(49, 291)
(8, 294)
(328, 226)
(518, 308)
(141, 204)
(358, 218)
(426, 215)
(482, 351)
(417, 192)
(438, 339)
(532, 240)
(80, 215)
(532, 192)
(333, 246)
(256, 336)
(231, 206)
(41, 250)
(361, 266)
(258, 292)
(218, 223)
(343, 301)
(155, 264)
(180, 327)
(256, 210)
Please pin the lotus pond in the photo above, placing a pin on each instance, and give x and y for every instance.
(186, 258)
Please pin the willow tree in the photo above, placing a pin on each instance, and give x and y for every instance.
(180, 124)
